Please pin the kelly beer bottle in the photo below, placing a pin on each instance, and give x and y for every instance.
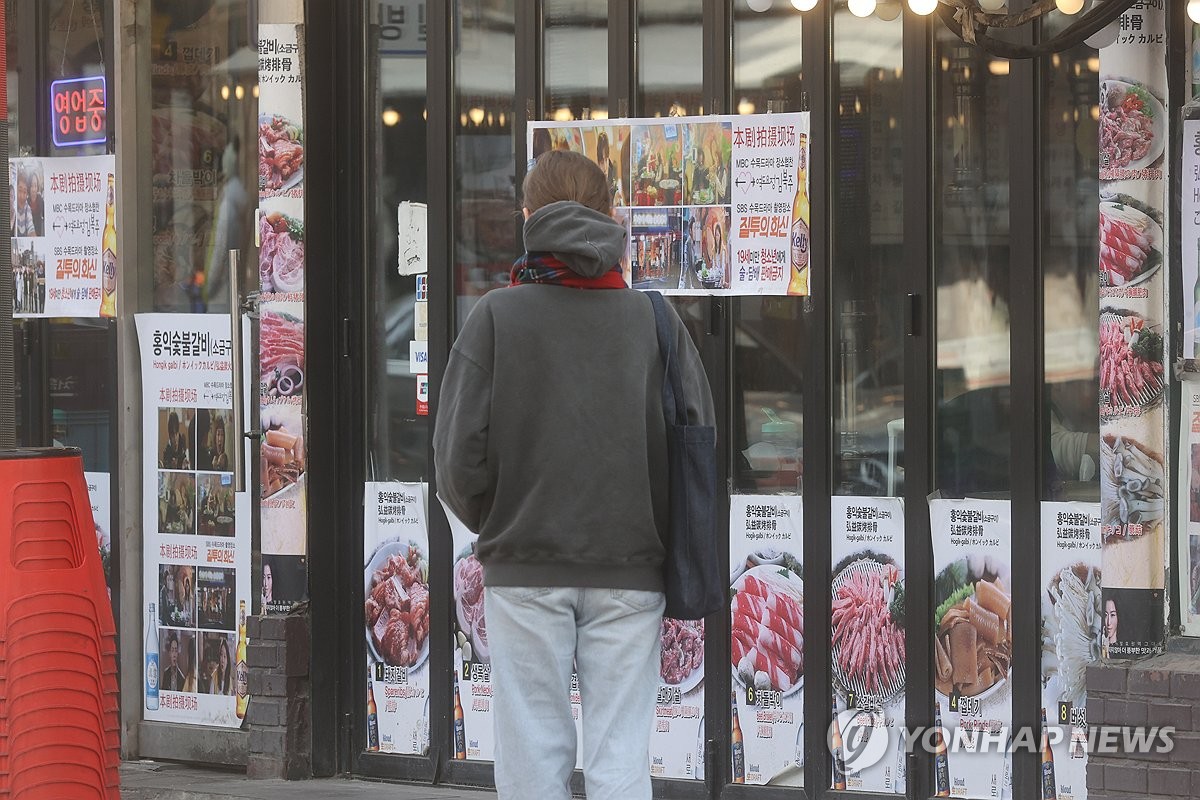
(837, 750)
(1049, 782)
(372, 718)
(941, 759)
(108, 255)
(798, 237)
(241, 673)
(460, 728)
(738, 746)
(152, 672)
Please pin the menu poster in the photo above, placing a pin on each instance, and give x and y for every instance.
(472, 694)
(1134, 335)
(281, 267)
(714, 205)
(196, 527)
(1189, 448)
(1190, 223)
(1072, 628)
(100, 496)
(677, 738)
(64, 236)
(868, 646)
(973, 639)
(396, 587)
(766, 544)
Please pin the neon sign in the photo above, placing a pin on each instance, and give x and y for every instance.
(79, 111)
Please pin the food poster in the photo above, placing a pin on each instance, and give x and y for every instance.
(279, 235)
(1190, 223)
(1134, 337)
(677, 739)
(868, 650)
(198, 163)
(1189, 506)
(64, 236)
(196, 526)
(396, 617)
(472, 682)
(766, 545)
(973, 638)
(713, 205)
(1072, 629)
(99, 486)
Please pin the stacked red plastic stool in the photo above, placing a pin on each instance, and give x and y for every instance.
(59, 719)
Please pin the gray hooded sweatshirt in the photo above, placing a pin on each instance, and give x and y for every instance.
(550, 441)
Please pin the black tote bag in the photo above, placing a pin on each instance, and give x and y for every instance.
(691, 569)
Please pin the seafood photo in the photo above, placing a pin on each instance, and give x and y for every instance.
(767, 614)
(973, 624)
(1136, 494)
(1071, 630)
(868, 629)
(397, 605)
(682, 650)
(1131, 368)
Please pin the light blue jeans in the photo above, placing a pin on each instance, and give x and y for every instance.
(538, 636)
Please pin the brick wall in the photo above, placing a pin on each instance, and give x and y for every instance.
(1163, 691)
(280, 692)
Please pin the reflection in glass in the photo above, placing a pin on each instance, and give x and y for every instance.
(75, 49)
(867, 243)
(766, 58)
(971, 252)
(80, 387)
(204, 134)
(576, 59)
(397, 443)
(670, 58)
(1069, 256)
(485, 194)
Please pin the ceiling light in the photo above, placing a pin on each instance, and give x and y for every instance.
(923, 7)
(992, 6)
(1193, 9)
(758, 5)
(862, 8)
(888, 10)
(391, 117)
(1069, 6)
(804, 5)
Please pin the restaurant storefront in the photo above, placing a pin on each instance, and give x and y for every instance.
(945, 429)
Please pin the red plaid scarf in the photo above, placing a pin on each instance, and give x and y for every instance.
(545, 268)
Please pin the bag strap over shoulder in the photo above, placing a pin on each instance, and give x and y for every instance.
(674, 404)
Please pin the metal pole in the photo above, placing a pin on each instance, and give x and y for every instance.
(8, 400)
(235, 340)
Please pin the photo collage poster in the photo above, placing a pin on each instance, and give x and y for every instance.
(64, 236)
(196, 526)
(766, 582)
(868, 648)
(1134, 339)
(715, 205)
(396, 611)
(471, 712)
(1074, 624)
(280, 238)
(973, 645)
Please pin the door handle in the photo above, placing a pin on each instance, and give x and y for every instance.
(238, 399)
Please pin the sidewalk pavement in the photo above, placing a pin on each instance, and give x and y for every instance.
(155, 780)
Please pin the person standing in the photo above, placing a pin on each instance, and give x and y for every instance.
(550, 443)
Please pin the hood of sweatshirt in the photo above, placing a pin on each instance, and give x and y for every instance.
(588, 242)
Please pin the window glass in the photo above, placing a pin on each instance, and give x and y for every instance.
(397, 435)
(1070, 252)
(82, 368)
(486, 228)
(576, 59)
(971, 253)
(204, 146)
(867, 245)
(76, 49)
(766, 57)
(670, 58)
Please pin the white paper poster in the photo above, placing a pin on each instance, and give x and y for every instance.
(1190, 231)
(1072, 628)
(396, 585)
(64, 236)
(196, 527)
(713, 205)
(677, 738)
(972, 598)
(1189, 452)
(100, 497)
(766, 545)
(868, 651)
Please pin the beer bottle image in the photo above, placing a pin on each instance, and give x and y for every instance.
(152, 662)
(108, 255)
(1049, 783)
(460, 729)
(372, 719)
(799, 233)
(241, 673)
(941, 759)
(837, 750)
(738, 746)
